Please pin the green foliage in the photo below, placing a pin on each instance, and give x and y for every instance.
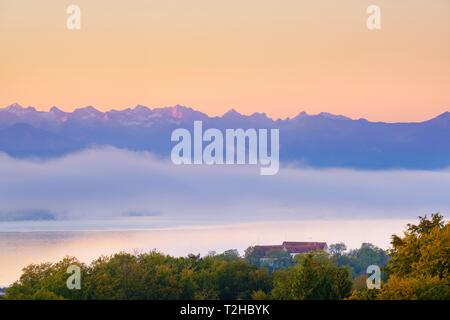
(260, 295)
(229, 255)
(360, 282)
(146, 276)
(272, 260)
(276, 259)
(315, 276)
(337, 249)
(364, 294)
(234, 279)
(253, 256)
(46, 281)
(359, 259)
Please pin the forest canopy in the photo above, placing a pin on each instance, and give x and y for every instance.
(415, 267)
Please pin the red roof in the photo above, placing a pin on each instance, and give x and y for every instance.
(293, 247)
(302, 247)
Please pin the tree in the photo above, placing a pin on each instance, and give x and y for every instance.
(359, 259)
(276, 259)
(314, 277)
(424, 250)
(337, 249)
(229, 255)
(115, 277)
(253, 256)
(418, 288)
(46, 281)
(419, 267)
(236, 279)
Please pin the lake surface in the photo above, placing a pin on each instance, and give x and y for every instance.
(23, 243)
(108, 200)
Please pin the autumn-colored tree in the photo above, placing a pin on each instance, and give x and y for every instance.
(423, 251)
(419, 267)
(415, 288)
(420, 263)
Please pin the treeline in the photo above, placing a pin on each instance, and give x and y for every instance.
(157, 276)
(417, 267)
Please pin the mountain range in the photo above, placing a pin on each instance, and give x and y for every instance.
(322, 140)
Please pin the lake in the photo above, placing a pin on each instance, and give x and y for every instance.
(23, 243)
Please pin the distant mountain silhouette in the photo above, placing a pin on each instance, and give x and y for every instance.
(323, 140)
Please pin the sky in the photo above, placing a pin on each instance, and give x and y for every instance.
(278, 57)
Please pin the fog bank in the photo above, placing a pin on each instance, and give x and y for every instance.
(108, 182)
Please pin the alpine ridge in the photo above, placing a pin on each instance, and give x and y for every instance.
(322, 140)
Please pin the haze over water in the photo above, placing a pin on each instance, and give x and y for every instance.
(18, 249)
(106, 200)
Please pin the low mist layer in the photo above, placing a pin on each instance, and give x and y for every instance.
(108, 182)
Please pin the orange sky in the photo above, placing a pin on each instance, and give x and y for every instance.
(278, 57)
